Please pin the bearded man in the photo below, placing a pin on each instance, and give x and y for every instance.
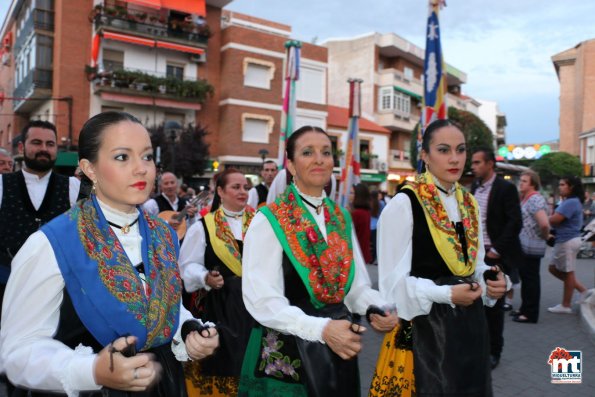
(34, 195)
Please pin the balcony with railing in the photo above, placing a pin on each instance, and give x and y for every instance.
(399, 159)
(37, 83)
(159, 24)
(395, 77)
(150, 87)
(42, 20)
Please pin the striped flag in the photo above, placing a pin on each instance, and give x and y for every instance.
(292, 75)
(350, 172)
(434, 106)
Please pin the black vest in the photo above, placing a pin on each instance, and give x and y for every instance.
(18, 211)
(263, 192)
(426, 261)
(164, 205)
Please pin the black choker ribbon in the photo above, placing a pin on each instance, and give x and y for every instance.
(317, 208)
(124, 229)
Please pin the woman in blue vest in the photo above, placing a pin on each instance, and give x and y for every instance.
(430, 262)
(93, 305)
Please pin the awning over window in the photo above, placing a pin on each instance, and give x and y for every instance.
(128, 39)
(197, 7)
(149, 101)
(147, 3)
(407, 92)
(179, 47)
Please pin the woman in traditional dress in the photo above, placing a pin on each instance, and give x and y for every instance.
(304, 276)
(431, 265)
(101, 282)
(211, 267)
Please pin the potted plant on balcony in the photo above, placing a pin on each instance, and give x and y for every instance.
(95, 12)
(204, 31)
(141, 17)
(91, 72)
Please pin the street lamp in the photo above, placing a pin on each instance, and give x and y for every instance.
(172, 130)
(263, 154)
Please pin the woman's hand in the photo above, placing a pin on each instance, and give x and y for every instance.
(384, 323)
(496, 288)
(465, 294)
(340, 337)
(113, 370)
(202, 345)
(214, 279)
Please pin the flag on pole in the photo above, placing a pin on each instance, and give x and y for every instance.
(350, 172)
(433, 106)
(292, 75)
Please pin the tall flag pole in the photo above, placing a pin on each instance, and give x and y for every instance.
(292, 75)
(433, 106)
(350, 173)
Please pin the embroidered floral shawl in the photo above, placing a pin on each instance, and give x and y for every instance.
(325, 267)
(442, 229)
(222, 239)
(106, 290)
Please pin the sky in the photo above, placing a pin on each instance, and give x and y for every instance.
(504, 46)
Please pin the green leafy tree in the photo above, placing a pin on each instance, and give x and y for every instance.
(553, 166)
(190, 151)
(477, 134)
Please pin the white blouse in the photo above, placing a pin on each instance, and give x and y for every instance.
(192, 254)
(28, 353)
(263, 288)
(414, 296)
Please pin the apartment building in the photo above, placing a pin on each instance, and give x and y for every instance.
(71, 61)
(187, 61)
(392, 71)
(373, 144)
(251, 89)
(494, 119)
(575, 69)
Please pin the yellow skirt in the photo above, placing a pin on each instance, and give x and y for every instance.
(199, 385)
(393, 376)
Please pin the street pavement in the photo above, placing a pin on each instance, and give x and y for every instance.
(523, 369)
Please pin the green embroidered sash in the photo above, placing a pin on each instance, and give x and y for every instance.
(325, 267)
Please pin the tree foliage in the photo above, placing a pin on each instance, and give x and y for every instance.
(190, 151)
(553, 166)
(477, 134)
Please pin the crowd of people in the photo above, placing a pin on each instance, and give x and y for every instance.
(111, 290)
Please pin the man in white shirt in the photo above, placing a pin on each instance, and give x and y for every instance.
(169, 200)
(33, 196)
(6, 161)
(257, 196)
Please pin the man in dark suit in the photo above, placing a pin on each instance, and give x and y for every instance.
(501, 222)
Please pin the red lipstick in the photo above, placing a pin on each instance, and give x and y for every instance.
(140, 185)
(454, 170)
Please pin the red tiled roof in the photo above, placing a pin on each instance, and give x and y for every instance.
(339, 117)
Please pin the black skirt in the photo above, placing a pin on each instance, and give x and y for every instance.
(451, 350)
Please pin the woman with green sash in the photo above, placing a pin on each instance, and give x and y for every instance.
(303, 279)
(93, 304)
(430, 263)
